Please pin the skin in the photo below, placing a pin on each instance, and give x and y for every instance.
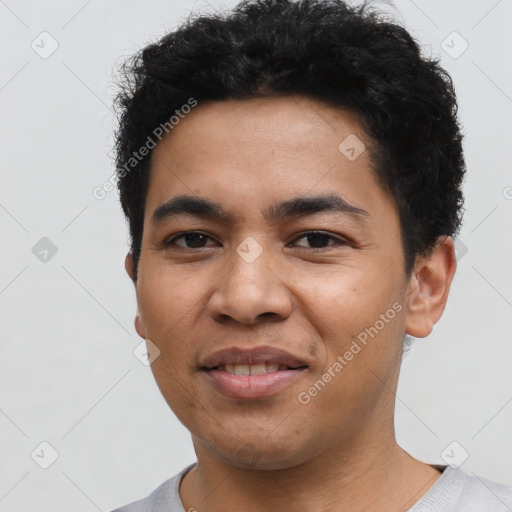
(339, 451)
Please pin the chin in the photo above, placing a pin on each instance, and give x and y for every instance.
(262, 453)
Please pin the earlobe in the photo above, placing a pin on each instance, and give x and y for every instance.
(130, 270)
(429, 287)
(129, 266)
(139, 326)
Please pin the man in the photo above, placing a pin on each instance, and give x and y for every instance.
(291, 173)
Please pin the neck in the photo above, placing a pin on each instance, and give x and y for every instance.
(369, 475)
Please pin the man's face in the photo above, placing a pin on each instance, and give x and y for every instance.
(260, 278)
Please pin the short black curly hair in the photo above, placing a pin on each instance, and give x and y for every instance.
(349, 57)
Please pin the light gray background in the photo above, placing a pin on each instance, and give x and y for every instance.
(67, 372)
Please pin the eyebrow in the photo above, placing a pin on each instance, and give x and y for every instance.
(295, 207)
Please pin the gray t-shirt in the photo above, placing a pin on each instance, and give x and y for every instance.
(454, 491)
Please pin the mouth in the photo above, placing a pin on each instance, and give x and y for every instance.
(252, 374)
(253, 369)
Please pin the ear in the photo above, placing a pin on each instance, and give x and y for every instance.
(129, 265)
(428, 288)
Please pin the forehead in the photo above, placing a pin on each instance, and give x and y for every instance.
(295, 124)
(253, 152)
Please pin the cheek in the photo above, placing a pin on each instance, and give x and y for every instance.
(362, 350)
(169, 305)
(168, 300)
(362, 306)
(343, 299)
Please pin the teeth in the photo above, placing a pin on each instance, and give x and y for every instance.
(253, 369)
(241, 369)
(257, 369)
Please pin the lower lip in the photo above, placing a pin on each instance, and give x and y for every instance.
(252, 386)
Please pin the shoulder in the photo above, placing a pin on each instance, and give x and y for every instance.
(457, 491)
(482, 495)
(164, 498)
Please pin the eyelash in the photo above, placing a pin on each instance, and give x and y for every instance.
(339, 241)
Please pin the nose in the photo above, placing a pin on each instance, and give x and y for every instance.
(250, 293)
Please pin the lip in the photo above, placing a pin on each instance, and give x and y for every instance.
(256, 355)
(252, 386)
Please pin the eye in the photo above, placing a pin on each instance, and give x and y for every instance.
(315, 240)
(319, 240)
(191, 240)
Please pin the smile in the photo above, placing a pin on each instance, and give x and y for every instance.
(252, 369)
(252, 372)
(252, 381)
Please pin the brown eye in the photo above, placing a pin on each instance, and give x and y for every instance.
(319, 240)
(191, 240)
